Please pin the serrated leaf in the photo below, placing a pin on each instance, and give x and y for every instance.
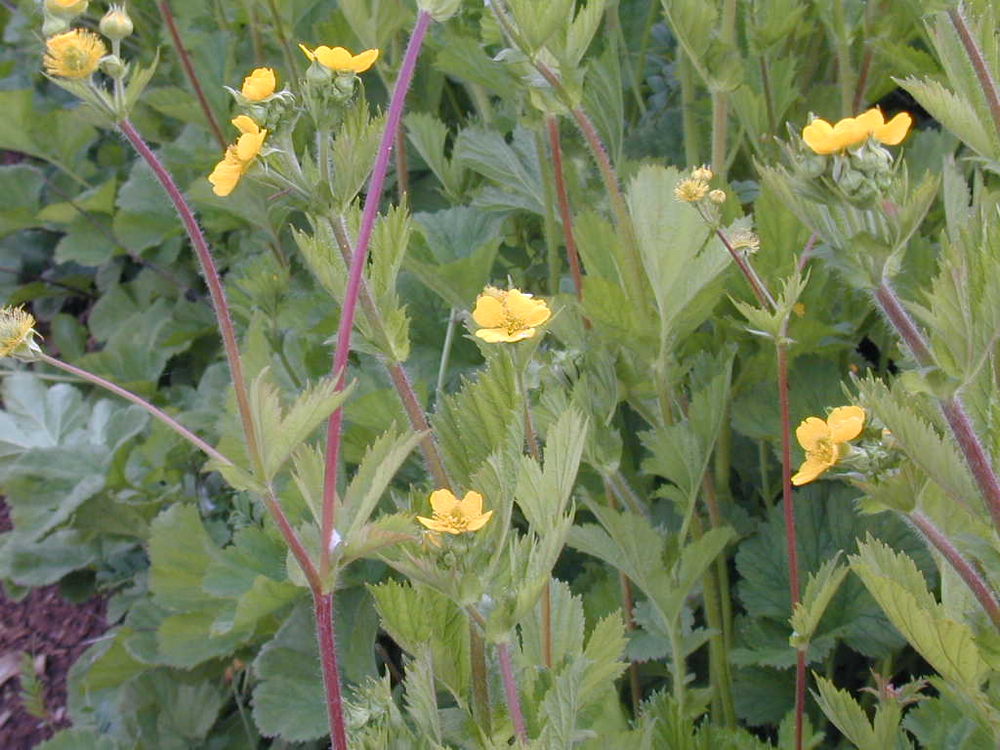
(421, 695)
(894, 580)
(513, 167)
(820, 588)
(846, 714)
(544, 493)
(428, 135)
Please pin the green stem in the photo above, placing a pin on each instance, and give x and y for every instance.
(678, 668)
(765, 79)
(165, 418)
(286, 45)
(722, 693)
(845, 75)
(480, 687)
(449, 337)
(635, 688)
(720, 99)
(572, 256)
(549, 215)
(685, 74)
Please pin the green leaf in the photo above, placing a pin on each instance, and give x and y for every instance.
(416, 617)
(894, 580)
(31, 563)
(421, 695)
(513, 167)
(603, 656)
(820, 588)
(180, 552)
(428, 136)
(681, 260)
(846, 714)
(566, 627)
(544, 493)
(353, 151)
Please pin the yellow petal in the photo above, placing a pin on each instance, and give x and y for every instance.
(259, 84)
(895, 130)
(521, 334)
(364, 60)
(225, 176)
(818, 135)
(489, 312)
(526, 309)
(478, 523)
(809, 470)
(248, 145)
(846, 423)
(430, 523)
(334, 58)
(308, 52)
(245, 124)
(810, 431)
(853, 130)
(871, 119)
(496, 335)
(471, 505)
(443, 502)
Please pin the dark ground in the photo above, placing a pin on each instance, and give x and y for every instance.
(55, 633)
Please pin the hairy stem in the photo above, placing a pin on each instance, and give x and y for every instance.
(480, 686)
(214, 282)
(969, 575)
(213, 123)
(986, 81)
(169, 421)
(951, 406)
(759, 290)
(549, 217)
(564, 211)
(400, 381)
(635, 689)
(358, 263)
(685, 75)
(449, 338)
(510, 692)
(323, 609)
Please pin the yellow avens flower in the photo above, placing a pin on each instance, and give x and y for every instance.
(691, 190)
(454, 516)
(822, 440)
(340, 60)
(238, 156)
(508, 315)
(17, 333)
(74, 54)
(824, 138)
(259, 84)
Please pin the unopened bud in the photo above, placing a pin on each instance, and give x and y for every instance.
(54, 25)
(440, 10)
(116, 23)
(702, 173)
(66, 8)
(717, 196)
(112, 66)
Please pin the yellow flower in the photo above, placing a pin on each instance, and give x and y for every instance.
(702, 173)
(74, 54)
(508, 315)
(822, 440)
(238, 156)
(17, 333)
(340, 60)
(259, 84)
(690, 190)
(824, 138)
(453, 516)
(68, 8)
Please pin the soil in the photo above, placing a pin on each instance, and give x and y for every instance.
(55, 632)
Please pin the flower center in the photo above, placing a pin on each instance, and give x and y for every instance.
(76, 59)
(454, 521)
(825, 451)
(511, 324)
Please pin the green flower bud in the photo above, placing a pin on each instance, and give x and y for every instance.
(54, 25)
(116, 24)
(67, 9)
(113, 66)
(440, 10)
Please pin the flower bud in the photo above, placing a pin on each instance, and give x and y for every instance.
(67, 9)
(717, 196)
(116, 24)
(112, 66)
(54, 25)
(702, 173)
(440, 10)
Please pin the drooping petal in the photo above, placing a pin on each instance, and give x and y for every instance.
(495, 335)
(810, 432)
(489, 312)
(443, 502)
(226, 174)
(895, 130)
(818, 135)
(477, 523)
(471, 505)
(846, 423)
(809, 470)
(364, 60)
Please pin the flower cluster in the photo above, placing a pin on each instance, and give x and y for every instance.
(239, 156)
(824, 138)
(508, 315)
(824, 441)
(694, 189)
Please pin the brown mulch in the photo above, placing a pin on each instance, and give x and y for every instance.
(55, 633)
